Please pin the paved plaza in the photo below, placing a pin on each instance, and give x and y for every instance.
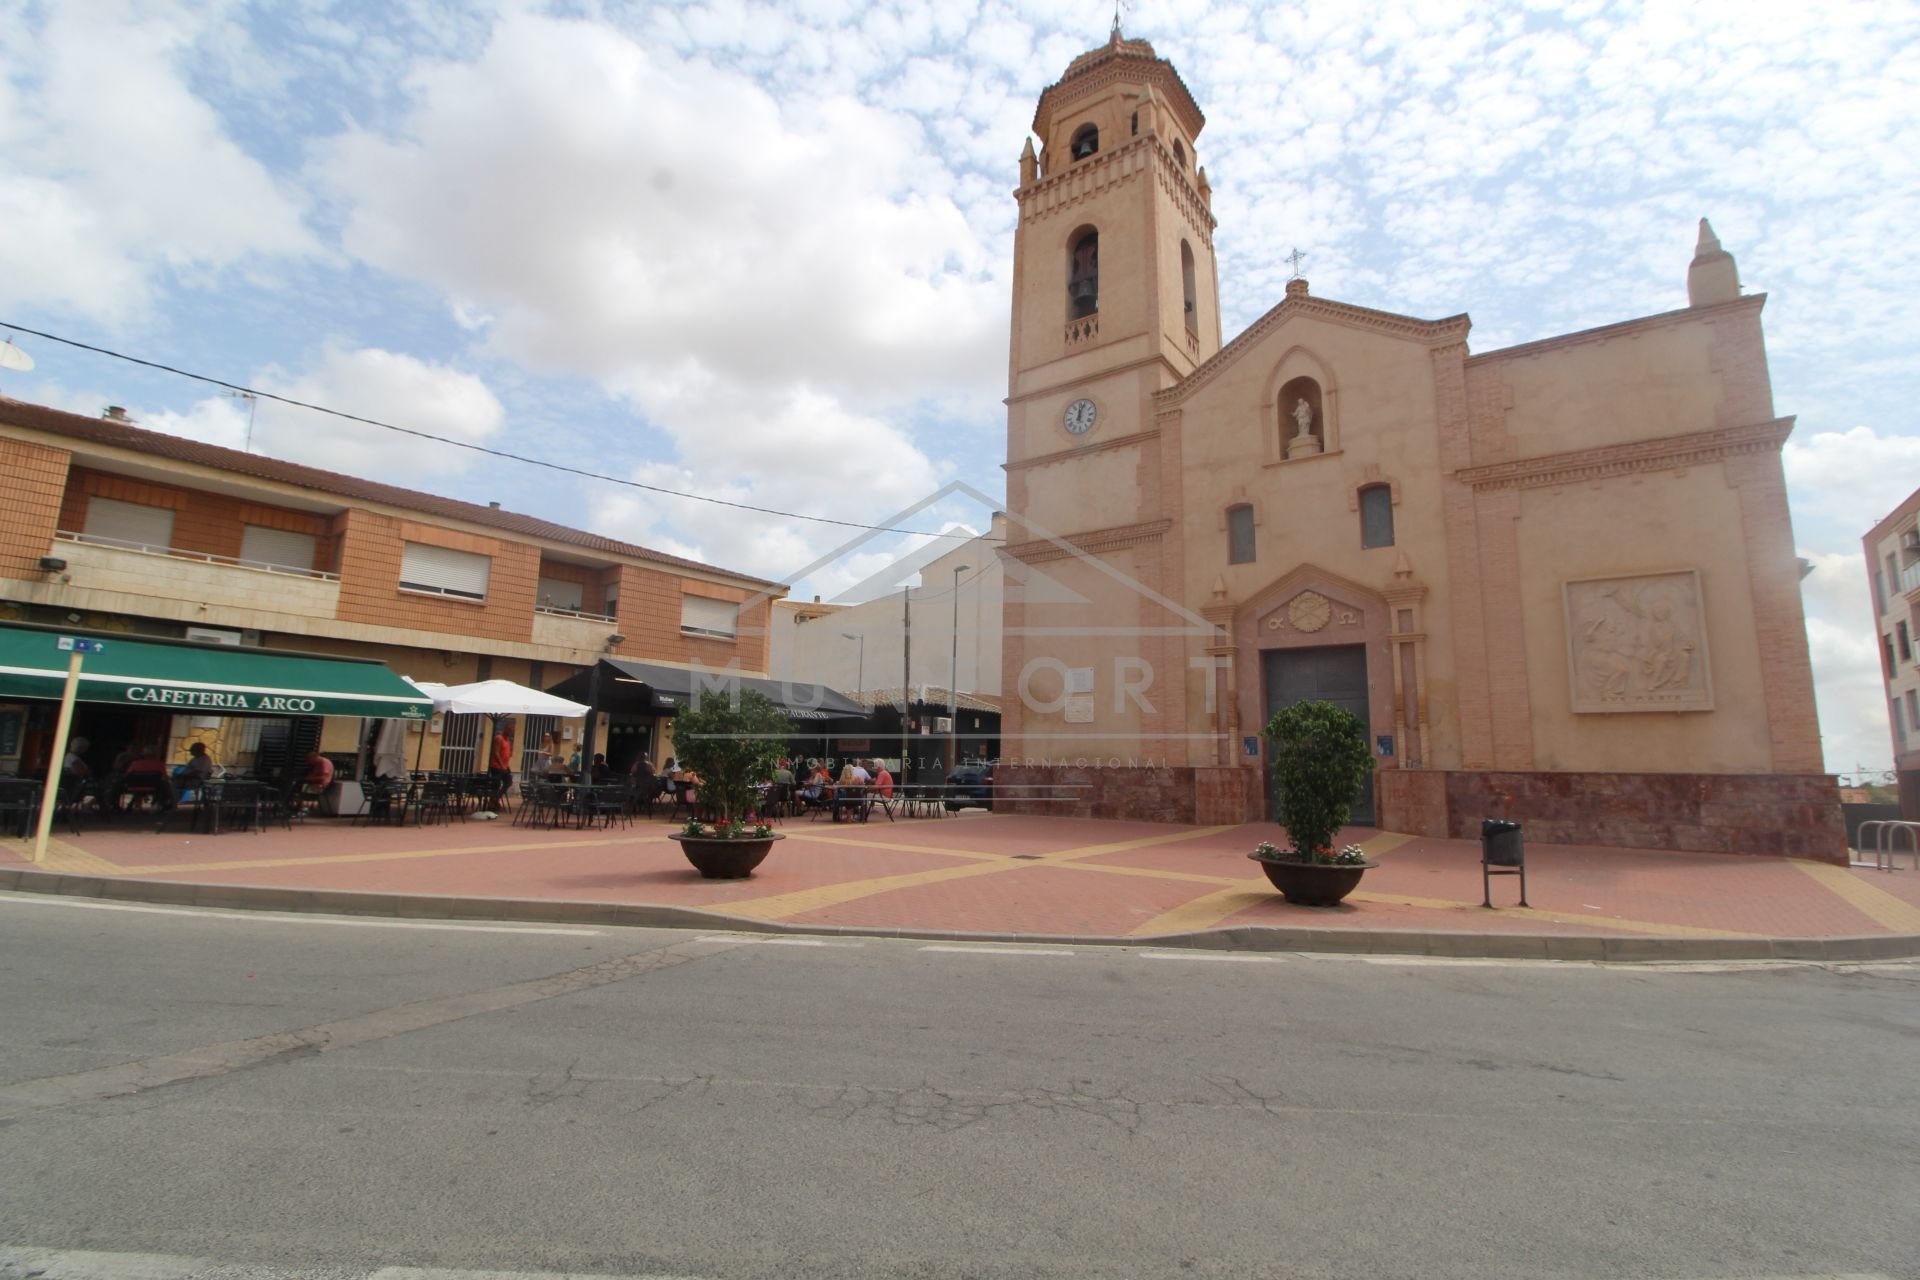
(1001, 875)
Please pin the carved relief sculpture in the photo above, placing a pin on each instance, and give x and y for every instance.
(1638, 644)
(1309, 611)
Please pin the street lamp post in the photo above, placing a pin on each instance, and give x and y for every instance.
(953, 677)
(860, 680)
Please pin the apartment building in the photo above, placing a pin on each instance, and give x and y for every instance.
(1893, 565)
(108, 527)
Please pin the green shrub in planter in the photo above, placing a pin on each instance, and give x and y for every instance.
(1320, 764)
(733, 741)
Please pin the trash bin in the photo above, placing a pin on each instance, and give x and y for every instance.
(1501, 843)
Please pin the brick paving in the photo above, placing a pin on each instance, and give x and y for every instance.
(1031, 875)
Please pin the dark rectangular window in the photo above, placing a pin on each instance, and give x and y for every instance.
(1880, 590)
(1905, 642)
(1376, 516)
(1886, 655)
(1240, 535)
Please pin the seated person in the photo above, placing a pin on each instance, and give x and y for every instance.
(319, 774)
(602, 771)
(851, 788)
(74, 764)
(199, 766)
(146, 775)
(782, 774)
(882, 780)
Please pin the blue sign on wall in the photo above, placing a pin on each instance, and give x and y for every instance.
(1252, 745)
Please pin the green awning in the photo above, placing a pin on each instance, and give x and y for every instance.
(204, 679)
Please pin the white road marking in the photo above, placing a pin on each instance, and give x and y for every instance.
(91, 1264)
(977, 950)
(258, 917)
(757, 940)
(1212, 955)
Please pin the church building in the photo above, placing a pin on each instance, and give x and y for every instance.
(1557, 581)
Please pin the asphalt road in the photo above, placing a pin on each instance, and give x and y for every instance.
(208, 1094)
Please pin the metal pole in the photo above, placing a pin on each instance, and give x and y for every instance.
(593, 719)
(50, 794)
(953, 677)
(906, 673)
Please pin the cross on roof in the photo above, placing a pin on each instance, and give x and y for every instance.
(1296, 257)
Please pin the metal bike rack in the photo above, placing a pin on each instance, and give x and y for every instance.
(1886, 841)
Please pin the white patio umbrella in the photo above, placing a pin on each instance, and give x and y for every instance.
(497, 698)
(390, 749)
(500, 698)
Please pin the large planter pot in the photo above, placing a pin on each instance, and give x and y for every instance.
(725, 859)
(1312, 884)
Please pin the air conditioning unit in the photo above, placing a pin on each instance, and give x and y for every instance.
(1910, 540)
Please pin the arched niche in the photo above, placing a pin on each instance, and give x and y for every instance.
(1300, 375)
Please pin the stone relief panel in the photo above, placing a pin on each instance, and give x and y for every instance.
(1638, 643)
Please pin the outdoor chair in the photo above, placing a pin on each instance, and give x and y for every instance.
(608, 802)
(19, 806)
(433, 803)
(885, 803)
(237, 807)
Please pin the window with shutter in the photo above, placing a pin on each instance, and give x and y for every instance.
(129, 523)
(558, 593)
(703, 617)
(443, 571)
(277, 548)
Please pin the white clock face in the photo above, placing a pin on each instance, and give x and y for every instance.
(1080, 417)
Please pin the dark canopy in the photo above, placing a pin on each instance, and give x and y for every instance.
(627, 686)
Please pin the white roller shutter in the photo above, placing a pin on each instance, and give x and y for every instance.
(444, 571)
(129, 522)
(705, 617)
(281, 548)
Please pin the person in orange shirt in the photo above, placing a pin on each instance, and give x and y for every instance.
(882, 780)
(500, 763)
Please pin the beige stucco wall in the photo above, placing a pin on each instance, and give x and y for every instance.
(1649, 383)
(1633, 526)
(1306, 509)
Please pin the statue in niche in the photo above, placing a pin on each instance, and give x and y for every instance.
(1303, 414)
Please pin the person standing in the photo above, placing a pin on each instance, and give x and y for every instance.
(500, 762)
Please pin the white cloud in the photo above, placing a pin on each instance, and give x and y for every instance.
(388, 386)
(1846, 481)
(1846, 663)
(621, 212)
(117, 174)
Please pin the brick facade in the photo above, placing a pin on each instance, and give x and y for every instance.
(1206, 795)
(33, 479)
(45, 488)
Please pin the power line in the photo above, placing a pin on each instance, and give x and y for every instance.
(254, 393)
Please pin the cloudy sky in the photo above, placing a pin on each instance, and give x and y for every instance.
(763, 252)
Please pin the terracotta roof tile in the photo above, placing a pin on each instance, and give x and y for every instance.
(122, 435)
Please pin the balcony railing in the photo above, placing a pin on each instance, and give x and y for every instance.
(582, 614)
(1910, 577)
(178, 553)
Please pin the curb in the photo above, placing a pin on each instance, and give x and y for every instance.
(1500, 946)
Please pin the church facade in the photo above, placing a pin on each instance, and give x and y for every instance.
(1557, 581)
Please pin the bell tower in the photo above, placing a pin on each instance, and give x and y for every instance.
(1115, 290)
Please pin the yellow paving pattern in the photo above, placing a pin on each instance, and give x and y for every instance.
(784, 906)
(1229, 895)
(1210, 909)
(1877, 905)
(70, 859)
(397, 855)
